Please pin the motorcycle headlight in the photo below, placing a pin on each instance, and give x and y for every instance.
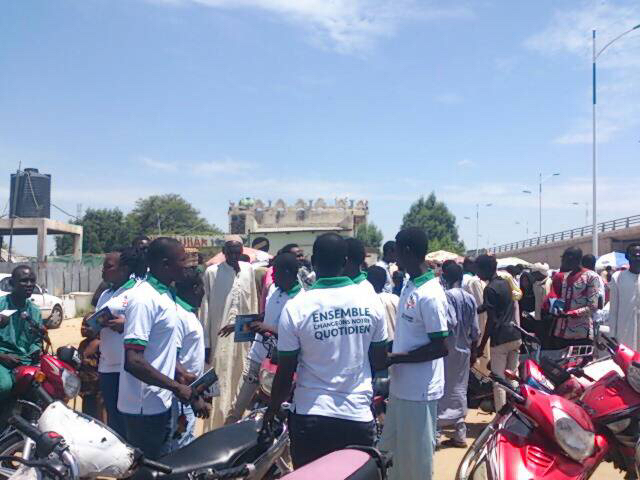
(633, 376)
(577, 442)
(266, 381)
(70, 383)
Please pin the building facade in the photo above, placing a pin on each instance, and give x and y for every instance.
(298, 223)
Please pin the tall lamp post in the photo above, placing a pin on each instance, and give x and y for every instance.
(541, 180)
(595, 164)
(478, 223)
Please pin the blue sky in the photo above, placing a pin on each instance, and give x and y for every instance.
(377, 99)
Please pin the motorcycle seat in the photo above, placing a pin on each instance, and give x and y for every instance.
(221, 448)
(348, 464)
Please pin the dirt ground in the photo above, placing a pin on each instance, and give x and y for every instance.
(446, 460)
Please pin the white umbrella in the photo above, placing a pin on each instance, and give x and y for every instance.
(512, 262)
(614, 260)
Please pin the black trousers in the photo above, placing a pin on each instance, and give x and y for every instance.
(314, 436)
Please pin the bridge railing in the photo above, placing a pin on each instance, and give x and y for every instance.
(585, 231)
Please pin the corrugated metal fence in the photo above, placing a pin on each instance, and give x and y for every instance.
(62, 278)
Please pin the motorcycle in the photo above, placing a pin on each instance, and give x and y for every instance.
(54, 378)
(360, 463)
(535, 435)
(607, 391)
(98, 451)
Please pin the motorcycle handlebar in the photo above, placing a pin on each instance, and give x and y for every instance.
(157, 466)
(507, 386)
(526, 334)
(25, 428)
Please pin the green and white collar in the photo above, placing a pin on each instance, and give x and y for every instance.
(424, 278)
(332, 282)
(294, 290)
(361, 277)
(160, 287)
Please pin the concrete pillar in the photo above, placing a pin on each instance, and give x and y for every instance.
(42, 241)
(77, 247)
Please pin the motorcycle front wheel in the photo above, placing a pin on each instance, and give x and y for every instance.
(10, 445)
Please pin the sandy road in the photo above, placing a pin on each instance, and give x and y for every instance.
(446, 460)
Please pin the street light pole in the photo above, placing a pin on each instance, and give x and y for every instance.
(594, 159)
(478, 224)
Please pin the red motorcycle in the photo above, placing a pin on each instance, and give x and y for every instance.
(600, 424)
(54, 378)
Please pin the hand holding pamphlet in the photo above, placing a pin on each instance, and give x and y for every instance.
(243, 331)
(99, 319)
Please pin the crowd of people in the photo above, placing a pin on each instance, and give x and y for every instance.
(338, 325)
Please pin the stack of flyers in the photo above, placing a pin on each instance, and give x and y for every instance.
(98, 320)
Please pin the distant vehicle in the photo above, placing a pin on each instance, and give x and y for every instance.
(50, 305)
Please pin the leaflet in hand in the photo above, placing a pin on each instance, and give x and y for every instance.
(99, 319)
(7, 313)
(206, 382)
(242, 331)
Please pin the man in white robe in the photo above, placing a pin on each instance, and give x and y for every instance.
(624, 307)
(230, 290)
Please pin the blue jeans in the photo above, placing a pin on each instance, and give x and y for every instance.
(109, 384)
(149, 433)
(185, 438)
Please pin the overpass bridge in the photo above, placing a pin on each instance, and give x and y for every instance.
(613, 235)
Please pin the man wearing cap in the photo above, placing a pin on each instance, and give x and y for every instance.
(541, 285)
(230, 290)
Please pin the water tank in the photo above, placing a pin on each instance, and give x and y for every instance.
(30, 194)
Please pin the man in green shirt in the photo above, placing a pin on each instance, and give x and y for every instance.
(20, 332)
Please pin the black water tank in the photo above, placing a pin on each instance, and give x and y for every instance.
(30, 194)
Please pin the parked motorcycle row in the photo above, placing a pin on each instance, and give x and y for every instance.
(562, 423)
(44, 439)
(562, 420)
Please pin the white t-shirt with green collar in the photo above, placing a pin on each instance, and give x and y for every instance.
(330, 327)
(190, 339)
(421, 316)
(151, 320)
(364, 284)
(272, 311)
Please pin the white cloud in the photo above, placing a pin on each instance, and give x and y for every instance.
(157, 165)
(569, 33)
(465, 162)
(345, 25)
(448, 98)
(226, 166)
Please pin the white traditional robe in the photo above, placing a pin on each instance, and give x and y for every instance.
(390, 303)
(227, 294)
(624, 308)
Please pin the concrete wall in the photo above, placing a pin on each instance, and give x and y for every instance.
(277, 240)
(616, 240)
(62, 278)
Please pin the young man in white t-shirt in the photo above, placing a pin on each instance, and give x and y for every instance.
(286, 267)
(191, 358)
(417, 370)
(147, 382)
(120, 271)
(353, 268)
(325, 334)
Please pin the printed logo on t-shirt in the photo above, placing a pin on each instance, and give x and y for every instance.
(341, 321)
(411, 302)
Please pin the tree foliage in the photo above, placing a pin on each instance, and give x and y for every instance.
(168, 213)
(437, 221)
(370, 235)
(107, 229)
(103, 230)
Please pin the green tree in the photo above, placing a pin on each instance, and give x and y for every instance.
(103, 231)
(437, 221)
(167, 214)
(370, 235)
